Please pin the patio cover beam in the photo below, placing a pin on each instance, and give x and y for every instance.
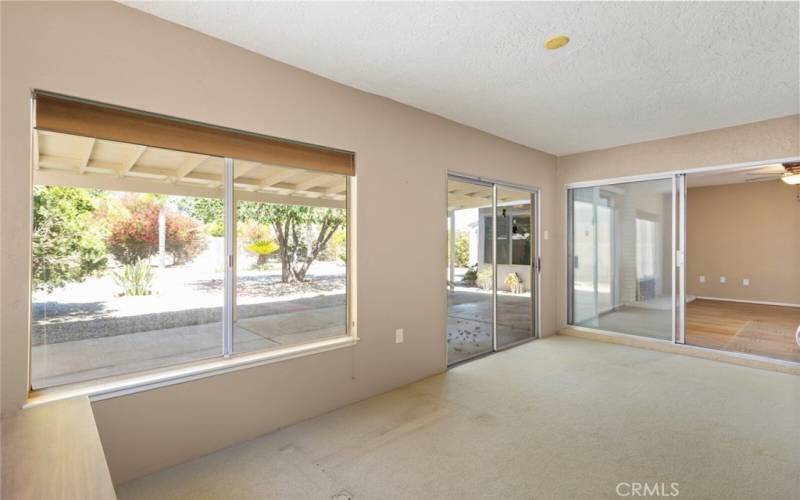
(133, 157)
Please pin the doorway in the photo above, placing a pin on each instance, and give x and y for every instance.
(702, 257)
(742, 277)
(492, 266)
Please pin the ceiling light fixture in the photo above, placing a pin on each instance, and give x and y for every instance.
(793, 179)
(792, 175)
(556, 42)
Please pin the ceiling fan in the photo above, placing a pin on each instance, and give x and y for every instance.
(790, 174)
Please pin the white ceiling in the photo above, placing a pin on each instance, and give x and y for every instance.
(632, 72)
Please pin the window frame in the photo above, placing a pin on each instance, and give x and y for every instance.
(228, 360)
(486, 231)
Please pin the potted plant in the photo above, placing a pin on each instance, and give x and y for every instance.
(513, 282)
(485, 278)
(471, 275)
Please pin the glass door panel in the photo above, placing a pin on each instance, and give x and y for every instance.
(583, 269)
(470, 262)
(515, 265)
(621, 257)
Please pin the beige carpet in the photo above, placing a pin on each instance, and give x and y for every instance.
(558, 418)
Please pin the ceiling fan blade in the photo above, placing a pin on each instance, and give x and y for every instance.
(764, 178)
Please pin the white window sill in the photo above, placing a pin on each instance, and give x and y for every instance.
(98, 390)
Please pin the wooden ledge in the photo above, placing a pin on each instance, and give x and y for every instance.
(54, 451)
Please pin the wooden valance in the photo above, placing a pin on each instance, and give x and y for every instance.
(78, 117)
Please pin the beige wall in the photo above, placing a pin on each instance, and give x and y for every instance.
(766, 140)
(744, 231)
(111, 53)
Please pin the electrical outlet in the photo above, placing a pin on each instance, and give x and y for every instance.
(723, 279)
(702, 279)
(746, 282)
(398, 336)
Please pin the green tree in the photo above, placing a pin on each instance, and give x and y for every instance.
(66, 245)
(462, 249)
(302, 232)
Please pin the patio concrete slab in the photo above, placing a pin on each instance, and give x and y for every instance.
(93, 358)
(469, 322)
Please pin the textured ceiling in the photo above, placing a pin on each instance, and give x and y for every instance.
(632, 72)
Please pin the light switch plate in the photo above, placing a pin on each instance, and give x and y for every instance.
(723, 279)
(702, 279)
(398, 336)
(746, 282)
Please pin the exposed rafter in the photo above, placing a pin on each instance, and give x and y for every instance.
(130, 160)
(242, 170)
(276, 178)
(186, 167)
(337, 188)
(72, 164)
(99, 161)
(314, 181)
(85, 153)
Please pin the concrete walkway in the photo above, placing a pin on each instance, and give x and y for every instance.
(92, 358)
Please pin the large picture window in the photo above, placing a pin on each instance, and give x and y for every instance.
(146, 257)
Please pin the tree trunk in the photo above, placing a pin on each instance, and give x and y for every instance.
(282, 233)
(289, 241)
(323, 237)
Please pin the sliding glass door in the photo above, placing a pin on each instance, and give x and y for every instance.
(470, 271)
(515, 265)
(620, 262)
(665, 258)
(492, 267)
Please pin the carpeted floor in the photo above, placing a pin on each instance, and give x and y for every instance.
(557, 418)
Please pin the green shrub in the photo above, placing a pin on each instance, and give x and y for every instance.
(462, 249)
(67, 243)
(471, 276)
(135, 279)
(485, 277)
(215, 228)
(337, 247)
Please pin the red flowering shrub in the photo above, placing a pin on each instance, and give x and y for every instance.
(184, 238)
(134, 235)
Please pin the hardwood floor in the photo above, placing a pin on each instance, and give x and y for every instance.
(750, 328)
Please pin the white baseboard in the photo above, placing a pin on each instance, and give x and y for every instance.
(761, 302)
